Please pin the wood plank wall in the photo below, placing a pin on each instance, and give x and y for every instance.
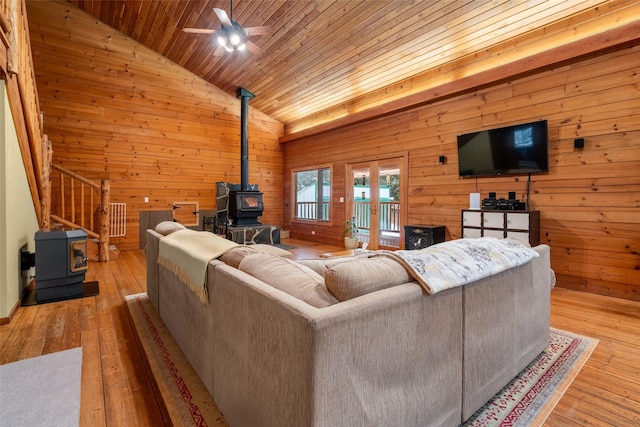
(115, 109)
(111, 106)
(589, 201)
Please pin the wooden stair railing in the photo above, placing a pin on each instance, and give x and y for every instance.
(16, 68)
(80, 201)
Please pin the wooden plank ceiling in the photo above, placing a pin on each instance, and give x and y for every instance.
(325, 53)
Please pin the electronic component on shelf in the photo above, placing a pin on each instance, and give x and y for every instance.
(502, 204)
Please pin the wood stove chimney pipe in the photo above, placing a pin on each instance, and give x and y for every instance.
(244, 96)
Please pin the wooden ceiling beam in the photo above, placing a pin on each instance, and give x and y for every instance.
(460, 32)
(616, 38)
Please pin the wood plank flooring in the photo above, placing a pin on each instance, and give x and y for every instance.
(117, 391)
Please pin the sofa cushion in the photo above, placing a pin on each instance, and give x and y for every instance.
(288, 276)
(167, 227)
(348, 280)
(321, 265)
(234, 257)
(273, 250)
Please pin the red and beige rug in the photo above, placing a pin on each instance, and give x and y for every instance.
(527, 400)
(186, 399)
(531, 396)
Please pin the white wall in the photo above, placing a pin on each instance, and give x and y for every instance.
(18, 222)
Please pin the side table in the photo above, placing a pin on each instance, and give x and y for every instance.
(421, 236)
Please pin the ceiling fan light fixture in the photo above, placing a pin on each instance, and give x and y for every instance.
(235, 39)
(231, 39)
(231, 35)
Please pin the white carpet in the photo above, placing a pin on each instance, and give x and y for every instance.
(42, 391)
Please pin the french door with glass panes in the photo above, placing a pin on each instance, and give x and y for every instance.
(376, 200)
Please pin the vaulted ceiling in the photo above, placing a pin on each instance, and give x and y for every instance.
(327, 58)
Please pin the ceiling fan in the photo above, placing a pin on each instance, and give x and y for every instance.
(231, 35)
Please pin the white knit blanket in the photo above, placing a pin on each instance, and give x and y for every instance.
(187, 252)
(459, 262)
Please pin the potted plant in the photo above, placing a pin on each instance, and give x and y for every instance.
(350, 231)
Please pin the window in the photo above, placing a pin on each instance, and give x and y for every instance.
(313, 193)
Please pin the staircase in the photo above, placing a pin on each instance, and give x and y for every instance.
(81, 202)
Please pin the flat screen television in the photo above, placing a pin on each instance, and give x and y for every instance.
(512, 150)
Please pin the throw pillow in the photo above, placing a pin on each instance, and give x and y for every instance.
(288, 276)
(167, 227)
(348, 280)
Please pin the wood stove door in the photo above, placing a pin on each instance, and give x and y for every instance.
(377, 201)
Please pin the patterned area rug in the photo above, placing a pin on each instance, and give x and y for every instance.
(187, 400)
(531, 396)
(527, 400)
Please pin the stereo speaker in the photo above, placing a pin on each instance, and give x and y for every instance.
(489, 204)
(578, 143)
(512, 195)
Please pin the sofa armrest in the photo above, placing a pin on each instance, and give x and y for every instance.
(385, 358)
(151, 254)
(189, 321)
(506, 315)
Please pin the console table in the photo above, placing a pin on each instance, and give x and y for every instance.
(346, 252)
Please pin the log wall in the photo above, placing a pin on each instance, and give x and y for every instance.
(115, 109)
(589, 201)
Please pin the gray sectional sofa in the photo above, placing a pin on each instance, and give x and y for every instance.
(389, 355)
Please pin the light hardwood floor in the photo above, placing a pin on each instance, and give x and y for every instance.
(116, 390)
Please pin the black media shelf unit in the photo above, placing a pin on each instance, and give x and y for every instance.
(422, 236)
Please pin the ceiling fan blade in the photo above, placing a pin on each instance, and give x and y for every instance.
(222, 16)
(254, 48)
(198, 31)
(258, 31)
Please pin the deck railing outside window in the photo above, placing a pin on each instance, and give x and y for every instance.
(389, 214)
(309, 210)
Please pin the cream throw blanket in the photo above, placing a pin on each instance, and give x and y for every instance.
(187, 252)
(459, 262)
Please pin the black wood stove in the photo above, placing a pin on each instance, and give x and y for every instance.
(245, 207)
(61, 264)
